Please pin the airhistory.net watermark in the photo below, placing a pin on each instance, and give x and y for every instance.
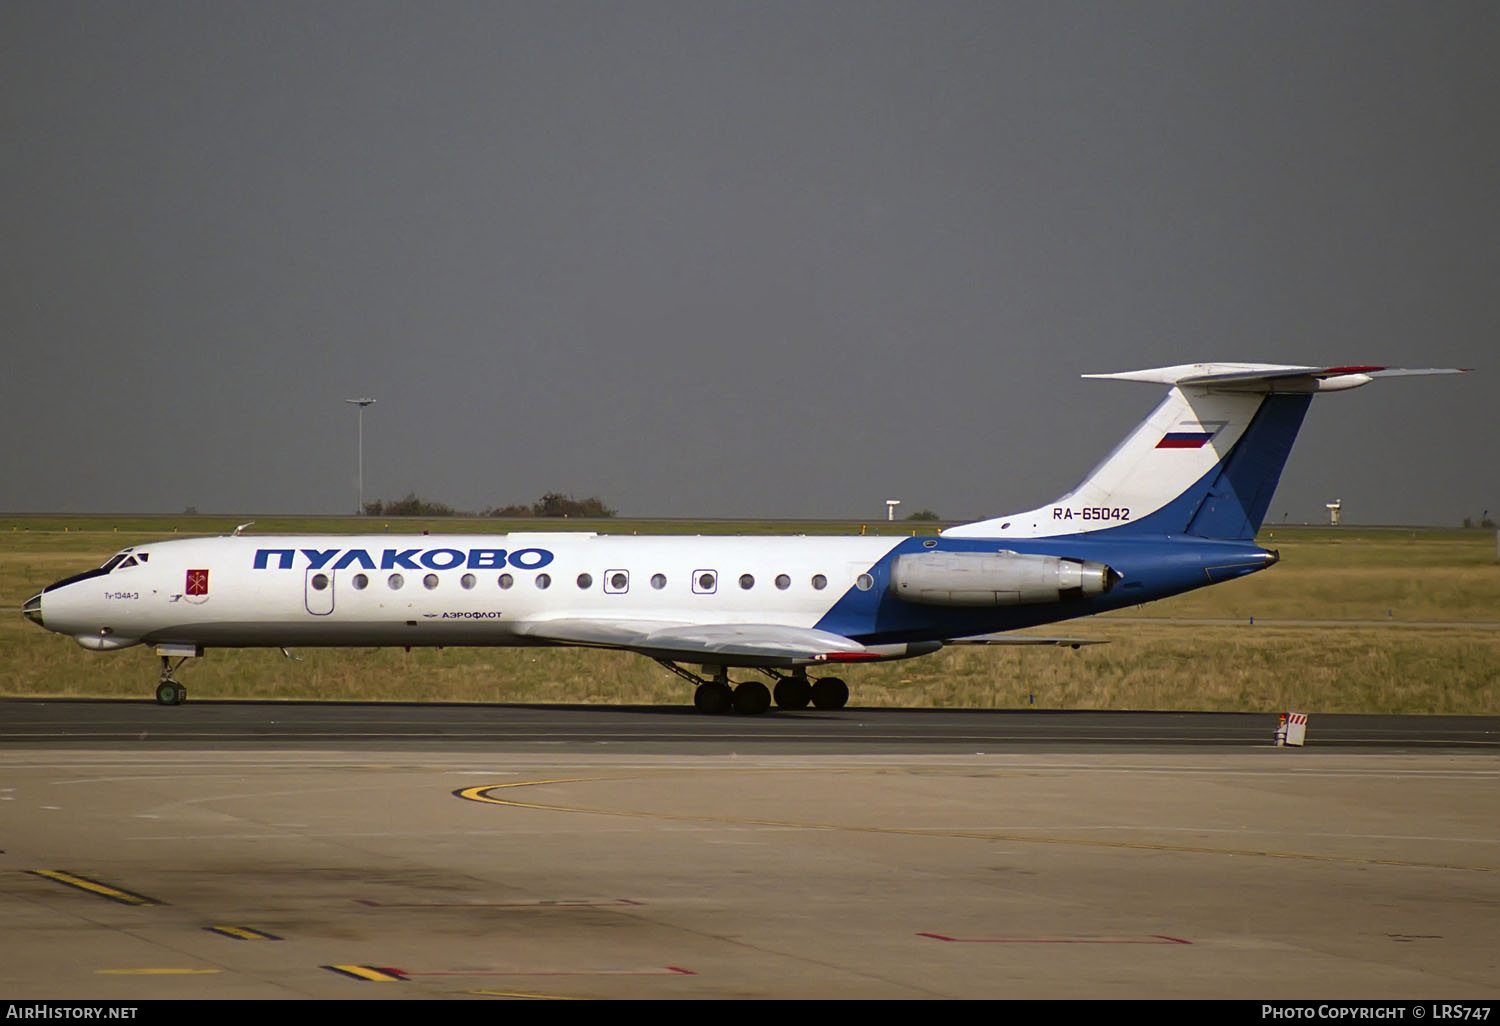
(46, 1010)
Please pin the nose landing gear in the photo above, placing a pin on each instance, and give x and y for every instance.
(168, 690)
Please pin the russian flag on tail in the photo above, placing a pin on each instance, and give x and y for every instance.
(1184, 439)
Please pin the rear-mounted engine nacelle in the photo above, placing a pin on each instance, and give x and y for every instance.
(995, 578)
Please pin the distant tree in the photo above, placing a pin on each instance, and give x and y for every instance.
(556, 504)
(411, 506)
(923, 514)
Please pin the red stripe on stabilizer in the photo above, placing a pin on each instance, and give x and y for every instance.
(1182, 443)
(1348, 370)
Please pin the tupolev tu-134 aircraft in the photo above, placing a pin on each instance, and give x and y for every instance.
(1175, 506)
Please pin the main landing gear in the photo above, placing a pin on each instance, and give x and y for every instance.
(719, 694)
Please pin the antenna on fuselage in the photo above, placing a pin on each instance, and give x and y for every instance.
(241, 529)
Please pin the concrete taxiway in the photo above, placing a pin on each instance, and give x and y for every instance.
(598, 862)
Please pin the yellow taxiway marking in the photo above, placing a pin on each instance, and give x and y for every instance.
(242, 933)
(483, 793)
(83, 883)
(365, 972)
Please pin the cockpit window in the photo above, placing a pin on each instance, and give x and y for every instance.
(114, 561)
(143, 556)
(129, 562)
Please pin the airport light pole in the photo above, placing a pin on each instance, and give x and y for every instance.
(361, 403)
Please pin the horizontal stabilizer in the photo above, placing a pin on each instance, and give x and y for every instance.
(1271, 377)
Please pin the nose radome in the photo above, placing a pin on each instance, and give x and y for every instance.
(32, 610)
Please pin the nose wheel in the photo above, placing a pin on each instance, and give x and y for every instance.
(168, 691)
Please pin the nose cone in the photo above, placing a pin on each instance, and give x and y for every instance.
(32, 610)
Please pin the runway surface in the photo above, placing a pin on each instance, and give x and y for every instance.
(679, 729)
(286, 850)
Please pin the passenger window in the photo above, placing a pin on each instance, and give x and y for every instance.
(430, 581)
(467, 580)
(705, 582)
(395, 581)
(783, 582)
(747, 581)
(544, 581)
(658, 581)
(506, 580)
(360, 582)
(819, 582)
(585, 581)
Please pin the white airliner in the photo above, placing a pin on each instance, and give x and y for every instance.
(1174, 507)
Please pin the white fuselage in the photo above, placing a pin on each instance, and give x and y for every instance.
(453, 589)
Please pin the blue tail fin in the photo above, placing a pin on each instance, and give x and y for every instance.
(1236, 497)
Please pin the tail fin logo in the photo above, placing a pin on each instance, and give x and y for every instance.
(1192, 435)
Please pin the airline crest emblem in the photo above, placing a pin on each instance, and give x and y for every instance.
(195, 586)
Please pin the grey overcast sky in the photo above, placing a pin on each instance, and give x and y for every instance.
(710, 258)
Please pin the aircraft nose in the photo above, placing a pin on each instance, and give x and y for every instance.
(32, 610)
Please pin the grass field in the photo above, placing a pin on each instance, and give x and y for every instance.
(1352, 620)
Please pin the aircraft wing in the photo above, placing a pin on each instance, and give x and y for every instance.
(748, 644)
(1023, 639)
